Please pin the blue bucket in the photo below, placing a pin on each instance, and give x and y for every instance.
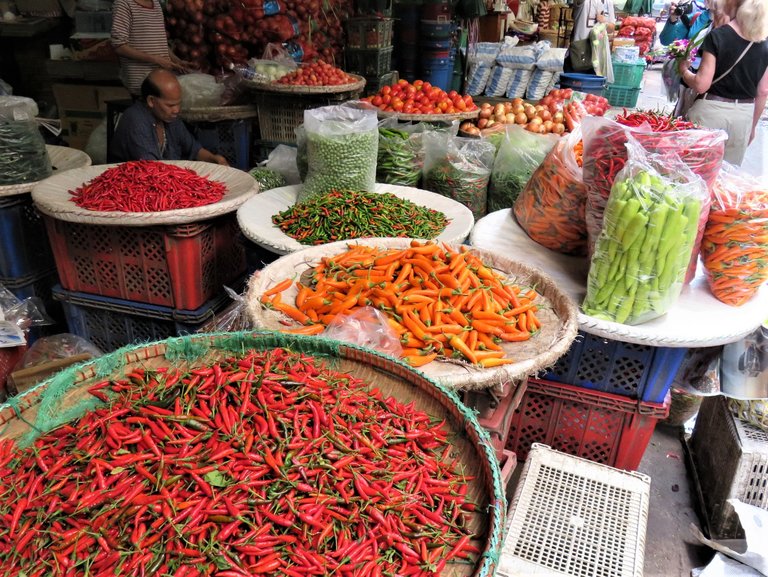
(434, 29)
(438, 72)
(582, 82)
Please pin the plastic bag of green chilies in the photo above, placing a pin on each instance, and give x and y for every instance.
(647, 238)
(401, 154)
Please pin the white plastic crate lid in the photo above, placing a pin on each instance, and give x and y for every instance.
(573, 517)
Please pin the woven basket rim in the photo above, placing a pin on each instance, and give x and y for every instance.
(52, 197)
(255, 216)
(62, 158)
(218, 113)
(459, 377)
(117, 362)
(469, 115)
(358, 84)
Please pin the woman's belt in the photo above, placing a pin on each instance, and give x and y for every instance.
(707, 96)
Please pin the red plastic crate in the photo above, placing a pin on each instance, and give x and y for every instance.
(180, 266)
(9, 356)
(495, 414)
(601, 427)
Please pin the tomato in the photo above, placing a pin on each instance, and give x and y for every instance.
(386, 90)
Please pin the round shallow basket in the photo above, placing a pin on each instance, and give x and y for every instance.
(62, 158)
(355, 86)
(469, 115)
(218, 113)
(63, 397)
(557, 312)
(255, 216)
(52, 197)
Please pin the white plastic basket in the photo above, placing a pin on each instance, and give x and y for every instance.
(573, 517)
(731, 461)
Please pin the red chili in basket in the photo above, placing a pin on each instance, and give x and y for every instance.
(147, 186)
(174, 476)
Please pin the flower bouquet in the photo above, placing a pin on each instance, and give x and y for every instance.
(682, 50)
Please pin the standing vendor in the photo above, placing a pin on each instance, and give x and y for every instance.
(151, 128)
(139, 38)
(586, 14)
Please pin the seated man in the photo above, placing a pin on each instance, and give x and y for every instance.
(151, 129)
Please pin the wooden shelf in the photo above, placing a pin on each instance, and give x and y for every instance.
(27, 27)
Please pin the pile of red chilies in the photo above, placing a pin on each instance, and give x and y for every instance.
(607, 153)
(265, 464)
(147, 186)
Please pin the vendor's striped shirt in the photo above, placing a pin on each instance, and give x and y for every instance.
(141, 28)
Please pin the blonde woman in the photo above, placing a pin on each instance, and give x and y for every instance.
(732, 80)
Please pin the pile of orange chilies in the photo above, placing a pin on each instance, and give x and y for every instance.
(441, 302)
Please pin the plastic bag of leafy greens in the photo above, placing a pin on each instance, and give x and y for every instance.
(400, 156)
(23, 156)
(459, 168)
(520, 153)
(342, 146)
(649, 229)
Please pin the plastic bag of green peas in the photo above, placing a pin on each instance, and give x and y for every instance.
(342, 146)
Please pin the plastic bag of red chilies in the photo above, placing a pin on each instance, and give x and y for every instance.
(605, 154)
(551, 207)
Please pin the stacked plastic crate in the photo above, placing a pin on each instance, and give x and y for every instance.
(368, 50)
(625, 88)
(125, 284)
(600, 401)
(26, 261)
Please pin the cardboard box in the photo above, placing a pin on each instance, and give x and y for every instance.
(94, 47)
(82, 107)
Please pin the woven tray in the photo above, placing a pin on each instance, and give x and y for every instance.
(255, 216)
(62, 158)
(44, 406)
(52, 197)
(218, 113)
(469, 115)
(355, 86)
(557, 313)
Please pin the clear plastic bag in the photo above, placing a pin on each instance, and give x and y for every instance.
(649, 229)
(520, 154)
(401, 153)
(283, 160)
(200, 91)
(342, 147)
(23, 156)
(18, 316)
(459, 168)
(734, 247)
(551, 208)
(232, 319)
(367, 327)
(605, 153)
(302, 163)
(62, 346)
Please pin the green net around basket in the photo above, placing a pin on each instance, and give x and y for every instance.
(65, 397)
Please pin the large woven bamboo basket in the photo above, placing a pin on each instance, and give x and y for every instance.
(53, 198)
(62, 159)
(557, 312)
(63, 397)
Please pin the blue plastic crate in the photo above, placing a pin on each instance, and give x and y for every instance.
(24, 247)
(111, 323)
(40, 286)
(230, 138)
(637, 371)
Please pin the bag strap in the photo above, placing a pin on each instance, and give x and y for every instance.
(727, 72)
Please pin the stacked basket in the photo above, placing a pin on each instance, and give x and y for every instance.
(368, 50)
(26, 262)
(136, 277)
(625, 88)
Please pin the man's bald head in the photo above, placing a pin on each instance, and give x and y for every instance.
(161, 83)
(161, 92)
